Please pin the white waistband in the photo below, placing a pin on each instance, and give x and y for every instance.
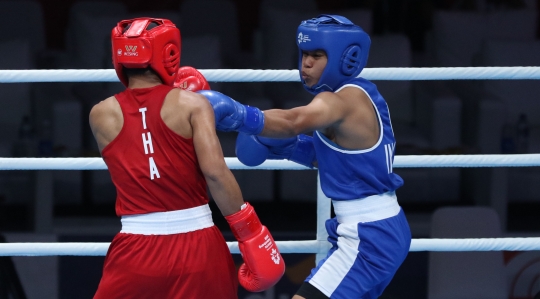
(168, 223)
(367, 209)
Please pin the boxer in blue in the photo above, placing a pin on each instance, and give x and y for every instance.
(352, 146)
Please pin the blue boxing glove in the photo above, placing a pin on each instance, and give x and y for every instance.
(232, 116)
(253, 150)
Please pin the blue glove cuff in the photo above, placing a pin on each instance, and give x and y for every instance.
(253, 121)
(304, 152)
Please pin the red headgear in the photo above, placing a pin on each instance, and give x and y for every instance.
(136, 46)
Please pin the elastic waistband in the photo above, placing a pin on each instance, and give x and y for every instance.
(367, 209)
(168, 223)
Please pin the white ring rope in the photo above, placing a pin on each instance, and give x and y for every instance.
(100, 249)
(230, 75)
(248, 75)
(518, 160)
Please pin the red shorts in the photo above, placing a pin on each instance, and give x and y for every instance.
(194, 265)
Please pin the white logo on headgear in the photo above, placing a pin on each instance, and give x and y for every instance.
(130, 51)
(303, 38)
(119, 52)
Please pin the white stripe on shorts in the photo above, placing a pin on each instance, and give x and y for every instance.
(336, 267)
(168, 223)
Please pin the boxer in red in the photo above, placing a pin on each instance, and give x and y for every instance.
(159, 142)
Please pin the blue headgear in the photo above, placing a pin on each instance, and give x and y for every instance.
(346, 46)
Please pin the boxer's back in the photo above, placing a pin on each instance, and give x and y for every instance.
(152, 163)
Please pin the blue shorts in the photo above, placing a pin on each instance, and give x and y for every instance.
(364, 257)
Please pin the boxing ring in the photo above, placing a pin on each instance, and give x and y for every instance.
(320, 245)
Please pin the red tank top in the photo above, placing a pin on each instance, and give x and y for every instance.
(153, 168)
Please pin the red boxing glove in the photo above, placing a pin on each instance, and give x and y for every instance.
(263, 265)
(190, 79)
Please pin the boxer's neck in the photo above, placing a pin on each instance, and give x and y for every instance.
(144, 81)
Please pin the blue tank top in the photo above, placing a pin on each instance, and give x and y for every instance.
(351, 174)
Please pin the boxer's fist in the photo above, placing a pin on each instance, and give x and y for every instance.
(253, 150)
(263, 264)
(190, 79)
(233, 116)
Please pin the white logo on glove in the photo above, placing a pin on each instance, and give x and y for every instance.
(267, 243)
(275, 256)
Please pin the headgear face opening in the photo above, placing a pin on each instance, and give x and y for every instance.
(136, 43)
(346, 46)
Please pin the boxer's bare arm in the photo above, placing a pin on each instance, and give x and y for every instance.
(200, 117)
(106, 121)
(347, 117)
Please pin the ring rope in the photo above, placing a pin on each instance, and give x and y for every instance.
(100, 248)
(517, 160)
(249, 75)
(229, 75)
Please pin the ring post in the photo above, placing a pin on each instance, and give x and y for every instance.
(323, 213)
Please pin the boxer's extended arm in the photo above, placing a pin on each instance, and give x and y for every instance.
(253, 150)
(325, 110)
(190, 79)
(263, 265)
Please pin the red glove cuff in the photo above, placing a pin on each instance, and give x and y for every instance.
(245, 224)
